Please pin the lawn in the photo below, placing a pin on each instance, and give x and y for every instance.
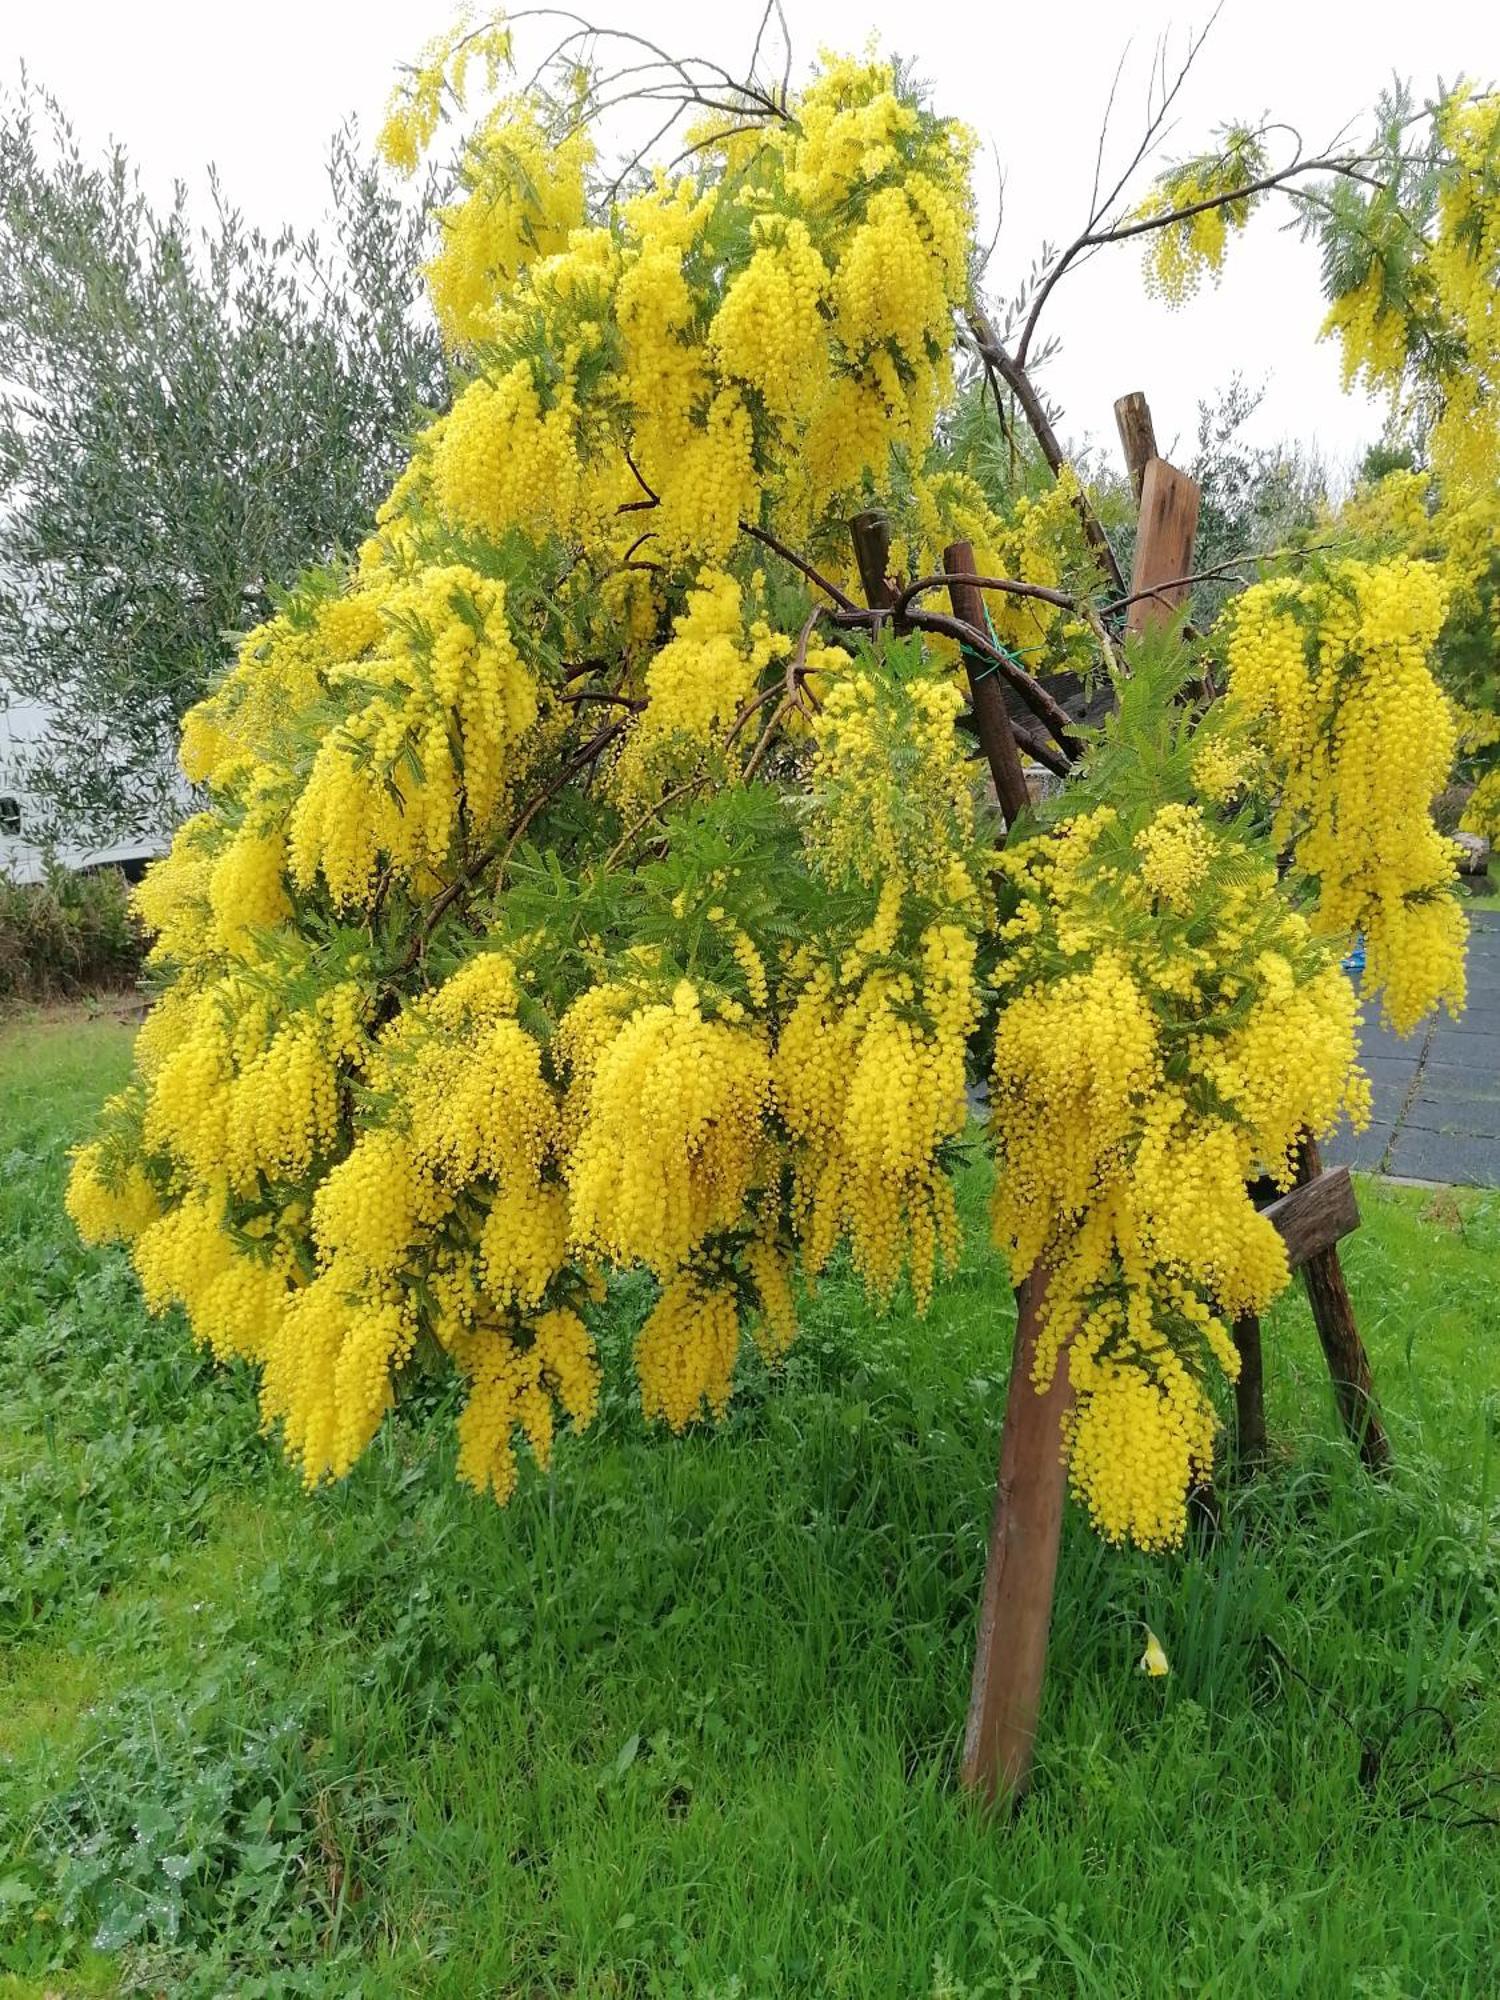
(684, 1719)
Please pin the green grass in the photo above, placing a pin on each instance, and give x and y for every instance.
(683, 1720)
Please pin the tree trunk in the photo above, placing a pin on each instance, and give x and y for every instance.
(1015, 1613)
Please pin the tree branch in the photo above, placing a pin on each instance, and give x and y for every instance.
(1021, 387)
(1349, 165)
(770, 541)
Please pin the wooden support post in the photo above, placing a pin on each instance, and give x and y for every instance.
(1163, 546)
(1015, 1612)
(1344, 1351)
(1137, 436)
(1249, 1397)
(991, 721)
(871, 534)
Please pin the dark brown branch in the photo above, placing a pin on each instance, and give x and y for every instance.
(1011, 585)
(770, 541)
(681, 67)
(1348, 165)
(1219, 571)
(1156, 119)
(468, 876)
(651, 500)
(1036, 697)
(633, 702)
(1039, 749)
(1021, 387)
(791, 695)
(991, 717)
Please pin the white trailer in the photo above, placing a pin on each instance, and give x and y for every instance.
(23, 853)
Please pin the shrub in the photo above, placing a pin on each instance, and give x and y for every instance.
(67, 934)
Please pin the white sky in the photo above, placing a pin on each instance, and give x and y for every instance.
(259, 88)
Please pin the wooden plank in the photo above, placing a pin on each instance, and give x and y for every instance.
(1315, 1215)
(1344, 1351)
(986, 697)
(1137, 437)
(1015, 1612)
(1164, 545)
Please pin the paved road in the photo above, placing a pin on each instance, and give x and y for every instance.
(1437, 1094)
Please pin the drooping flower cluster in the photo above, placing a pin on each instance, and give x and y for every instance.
(1416, 316)
(1331, 674)
(1168, 1029)
(759, 336)
(1202, 195)
(1456, 528)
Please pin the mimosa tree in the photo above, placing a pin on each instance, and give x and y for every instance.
(590, 878)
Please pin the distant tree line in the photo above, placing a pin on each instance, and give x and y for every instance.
(191, 412)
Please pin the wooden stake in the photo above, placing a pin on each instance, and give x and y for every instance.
(871, 535)
(1344, 1351)
(991, 720)
(1015, 1612)
(1314, 1215)
(1137, 438)
(1164, 545)
(1010, 1658)
(1249, 1398)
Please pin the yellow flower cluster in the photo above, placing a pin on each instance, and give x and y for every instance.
(524, 193)
(671, 1139)
(1372, 333)
(110, 1199)
(1167, 1029)
(439, 75)
(685, 1351)
(869, 1067)
(869, 1080)
(1456, 528)
(771, 332)
(896, 803)
(1332, 676)
(440, 715)
(1180, 254)
(1420, 325)
(513, 1386)
(1176, 848)
(695, 685)
(839, 239)
(1482, 813)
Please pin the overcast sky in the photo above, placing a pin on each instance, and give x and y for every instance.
(258, 89)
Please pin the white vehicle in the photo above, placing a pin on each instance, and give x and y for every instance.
(23, 855)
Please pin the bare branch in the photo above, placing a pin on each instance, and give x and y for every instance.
(1022, 388)
(1011, 585)
(770, 541)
